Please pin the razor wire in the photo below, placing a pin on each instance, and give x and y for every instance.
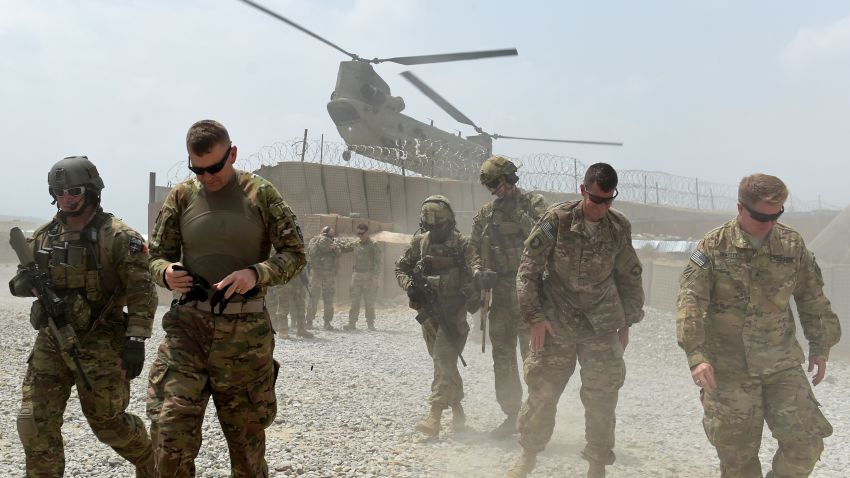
(542, 172)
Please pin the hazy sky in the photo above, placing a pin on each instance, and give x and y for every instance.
(713, 89)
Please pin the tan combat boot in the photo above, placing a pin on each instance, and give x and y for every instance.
(458, 417)
(430, 425)
(523, 465)
(284, 334)
(595, 469)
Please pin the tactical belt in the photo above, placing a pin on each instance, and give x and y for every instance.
(252, 306)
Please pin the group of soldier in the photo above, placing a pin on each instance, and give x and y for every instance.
(561, 284)
(323, 254)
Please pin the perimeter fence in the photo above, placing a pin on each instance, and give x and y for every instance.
(544, 172)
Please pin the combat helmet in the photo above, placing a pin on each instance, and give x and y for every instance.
(74, 171)
(436, 211)
(497, 166)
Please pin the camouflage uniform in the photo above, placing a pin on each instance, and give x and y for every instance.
(364, 280)
(733, 313)
(324, 253)
(95, 288)
(285, 302)
(504, 224)
(228, 356)
(447, 267)
(587, 286)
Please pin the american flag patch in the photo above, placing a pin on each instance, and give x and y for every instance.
(548, 230)
(699, 258)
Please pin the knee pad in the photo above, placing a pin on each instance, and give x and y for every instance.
(27, 430)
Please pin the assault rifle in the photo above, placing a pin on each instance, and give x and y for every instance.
(424, 294)
(54, 306)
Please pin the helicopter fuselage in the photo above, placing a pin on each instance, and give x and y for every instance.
(370, 121)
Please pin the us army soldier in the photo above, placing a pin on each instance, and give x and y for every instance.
(436, 272)
(221, 224)
(324, 252)
(498, 232)
(579, 288)
(364, 279)
(98, 266)
(736, 326)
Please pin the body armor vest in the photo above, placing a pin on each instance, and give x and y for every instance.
(507, 235)
(444, 265)
(222, 232)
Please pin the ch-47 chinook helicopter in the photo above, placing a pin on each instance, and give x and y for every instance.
(370, 121)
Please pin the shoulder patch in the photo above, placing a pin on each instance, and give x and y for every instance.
(548, 230)
(699, 258)
(136, 245)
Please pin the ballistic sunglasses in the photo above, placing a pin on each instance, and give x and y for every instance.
(75, 191)
(762, 217)
(599, 199)
(493, 184)
(213, 168)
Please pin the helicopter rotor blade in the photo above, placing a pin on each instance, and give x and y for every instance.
(550, 140)
(299, 27)
(441, 102)
(446, 57)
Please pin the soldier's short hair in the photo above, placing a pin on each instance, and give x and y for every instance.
(601, 174)
(363, 227)
(205, 134)
(762, 187)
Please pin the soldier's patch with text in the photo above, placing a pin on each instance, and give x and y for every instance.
(699, 258)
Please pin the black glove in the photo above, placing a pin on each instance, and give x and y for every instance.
(487, 278)
(133, 356)
(416, 295)
(200, 286)
(38, 317)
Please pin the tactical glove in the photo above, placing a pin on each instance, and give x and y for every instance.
(487, 278)
(416, 295)
(133, 356)
(38, 317)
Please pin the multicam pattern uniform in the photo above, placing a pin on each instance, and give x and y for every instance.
(505, 224)
(99, 324)
(287, 301)
(450, 273)
(591, 287)
(324, 253)
(364, 280)
(733, 313)
(227, 356)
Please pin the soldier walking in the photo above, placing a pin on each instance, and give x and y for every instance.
(579, 288)
(735, 323)
(436, 272)
(364, 279)
(289, 301)
(221, 224)
(498, 232)
(98, 266)
(323, 253)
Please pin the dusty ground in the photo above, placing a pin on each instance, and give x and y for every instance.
(349, 401)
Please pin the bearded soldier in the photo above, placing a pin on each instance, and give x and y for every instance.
(498, 232)
(98, 266)
(436, 272)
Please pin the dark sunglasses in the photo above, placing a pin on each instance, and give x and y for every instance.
(493, 184)
(599, 199)
(762, 217)
(213, 168)
(75, 191)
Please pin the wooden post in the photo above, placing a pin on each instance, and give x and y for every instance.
(696, 183)
(644, 188)
(321, 148)
(304, 146)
